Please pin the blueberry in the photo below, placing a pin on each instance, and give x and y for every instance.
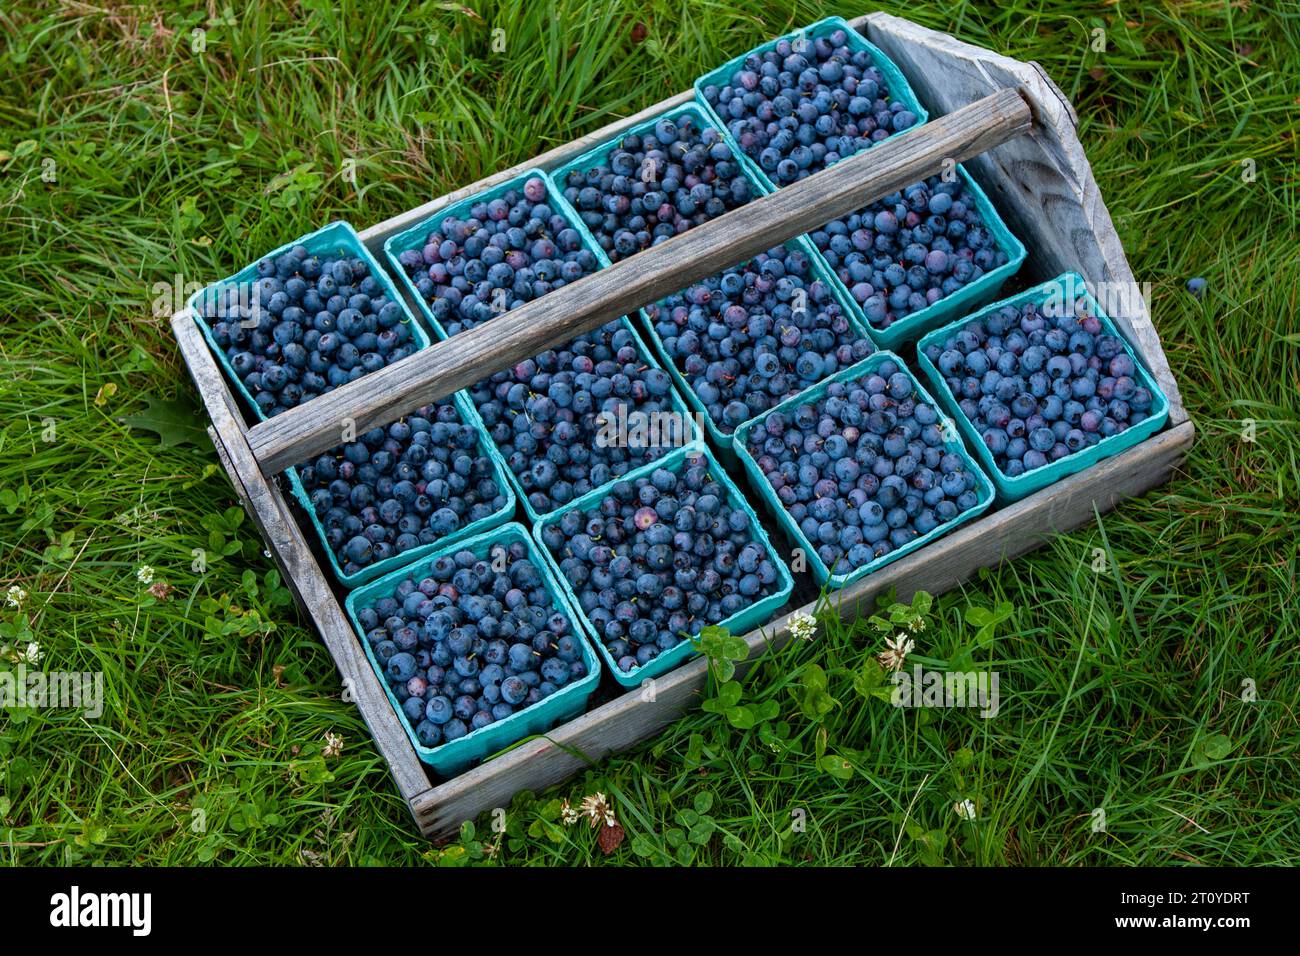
(439, 710)
(513, 691)
(401, 667)
(429, 734)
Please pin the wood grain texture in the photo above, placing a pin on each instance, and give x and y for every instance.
(299, 568)
(939, 567)
(444, 367)
(1042, 183)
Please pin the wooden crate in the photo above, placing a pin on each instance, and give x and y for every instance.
(1043, 186)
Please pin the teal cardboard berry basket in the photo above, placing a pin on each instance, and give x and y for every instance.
(597, 155)
(899, 88)
(722, 440)
(503, 514)
(747, 619)
(684, 433)
(414, 237)
(970, 296)
(338, 238)
(826, 576)
(570, 700)
(1063, 287)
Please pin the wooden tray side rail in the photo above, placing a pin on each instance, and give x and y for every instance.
(310, 584)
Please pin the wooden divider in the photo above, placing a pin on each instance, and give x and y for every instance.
(444, 367)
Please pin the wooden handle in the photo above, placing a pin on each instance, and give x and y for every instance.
(432, 373)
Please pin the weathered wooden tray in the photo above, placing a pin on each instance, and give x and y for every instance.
(1042, 184)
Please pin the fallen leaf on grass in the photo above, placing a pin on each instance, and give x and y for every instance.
(174, 421)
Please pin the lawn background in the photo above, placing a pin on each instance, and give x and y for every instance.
(1122, 689)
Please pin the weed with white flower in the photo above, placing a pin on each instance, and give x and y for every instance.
(15, 596)
(896, 653)
(803, 626)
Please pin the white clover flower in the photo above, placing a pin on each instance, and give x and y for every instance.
(803, 626)
(916, 624)
(898, 649)
(144, 574)
(568, 814)
(964, 809)
(598, 809)
(333, 745)
(15, 596)
(33, 653)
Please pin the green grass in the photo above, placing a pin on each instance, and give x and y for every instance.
(1120, 690)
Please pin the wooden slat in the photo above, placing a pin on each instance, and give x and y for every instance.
(383, 396)
(1041, 183)
(301, 572)
(939, 567)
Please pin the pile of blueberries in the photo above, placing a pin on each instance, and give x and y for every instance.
(806, 104)
(909, 250)
(554, 417)
(467, 645)
(393, 489)
(753, 335)
(510, 250)
(546, 414)
(652, 187)
(1040, 382)
(308, 325)
(658, 559)
(863, 470)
